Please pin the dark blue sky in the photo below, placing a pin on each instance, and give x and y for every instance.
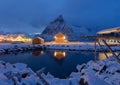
(33, 15)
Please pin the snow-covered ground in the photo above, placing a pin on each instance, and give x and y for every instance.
(77, 46)
(106, 72)
(72, 46)
(9, 47)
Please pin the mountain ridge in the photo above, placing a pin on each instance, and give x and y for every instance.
(56, 26)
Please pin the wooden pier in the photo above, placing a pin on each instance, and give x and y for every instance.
(101, 41)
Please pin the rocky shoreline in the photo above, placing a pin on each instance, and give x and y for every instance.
(106, 72)
(17, 48)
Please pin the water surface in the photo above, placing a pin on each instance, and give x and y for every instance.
(58, 63)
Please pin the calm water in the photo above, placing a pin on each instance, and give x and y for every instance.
(58, 63)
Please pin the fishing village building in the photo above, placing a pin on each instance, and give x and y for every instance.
(38, 40)
(60, 38)
(111, 36)
(10, 38)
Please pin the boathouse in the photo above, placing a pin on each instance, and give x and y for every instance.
(111, 36)
(60, 38)
(38, 40)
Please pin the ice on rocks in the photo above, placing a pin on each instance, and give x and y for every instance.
(31, 80)
(20, 66)
(75, 75)
(80, 67)
(92, 80)
(106, 72)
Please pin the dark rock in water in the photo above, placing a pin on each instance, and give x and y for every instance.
(82, 82)
(58, 25)
(6, 51)
(25, 75)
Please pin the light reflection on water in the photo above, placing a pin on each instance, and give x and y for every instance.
(59, 55)
(38, 53)
(58, 63)
(102, 56)
(62, 54)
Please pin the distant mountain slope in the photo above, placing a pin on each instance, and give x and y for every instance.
(81, 31)
(72, 32)
(58, 25)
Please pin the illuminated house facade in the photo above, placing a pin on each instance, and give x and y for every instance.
(14, 38)
(60, 38)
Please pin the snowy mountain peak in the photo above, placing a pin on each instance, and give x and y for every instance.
(59, 19)
(58, 25)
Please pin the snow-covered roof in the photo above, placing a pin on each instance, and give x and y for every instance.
(107, 31)
(39, 38)
(59, 35)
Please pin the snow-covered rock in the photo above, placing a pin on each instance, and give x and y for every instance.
(106, 72)
(90, 79)
(75, 75)
(17, 74)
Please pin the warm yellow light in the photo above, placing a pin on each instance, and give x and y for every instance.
(102, 56)
(55, 37)
(64, 37)
(59, 55)
(11, 38)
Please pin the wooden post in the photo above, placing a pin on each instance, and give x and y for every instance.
(95, 49)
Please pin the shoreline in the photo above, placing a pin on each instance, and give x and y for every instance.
(8, 48)
(105, 72)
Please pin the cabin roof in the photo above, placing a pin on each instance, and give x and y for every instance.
(60, 35)
(39, 38)
(107, 31)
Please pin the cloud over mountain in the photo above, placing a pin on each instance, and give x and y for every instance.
(33, 15)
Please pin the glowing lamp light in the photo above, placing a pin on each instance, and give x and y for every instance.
(55, 37)
(64, 37)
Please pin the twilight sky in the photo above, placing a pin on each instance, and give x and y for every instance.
(33, 15)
